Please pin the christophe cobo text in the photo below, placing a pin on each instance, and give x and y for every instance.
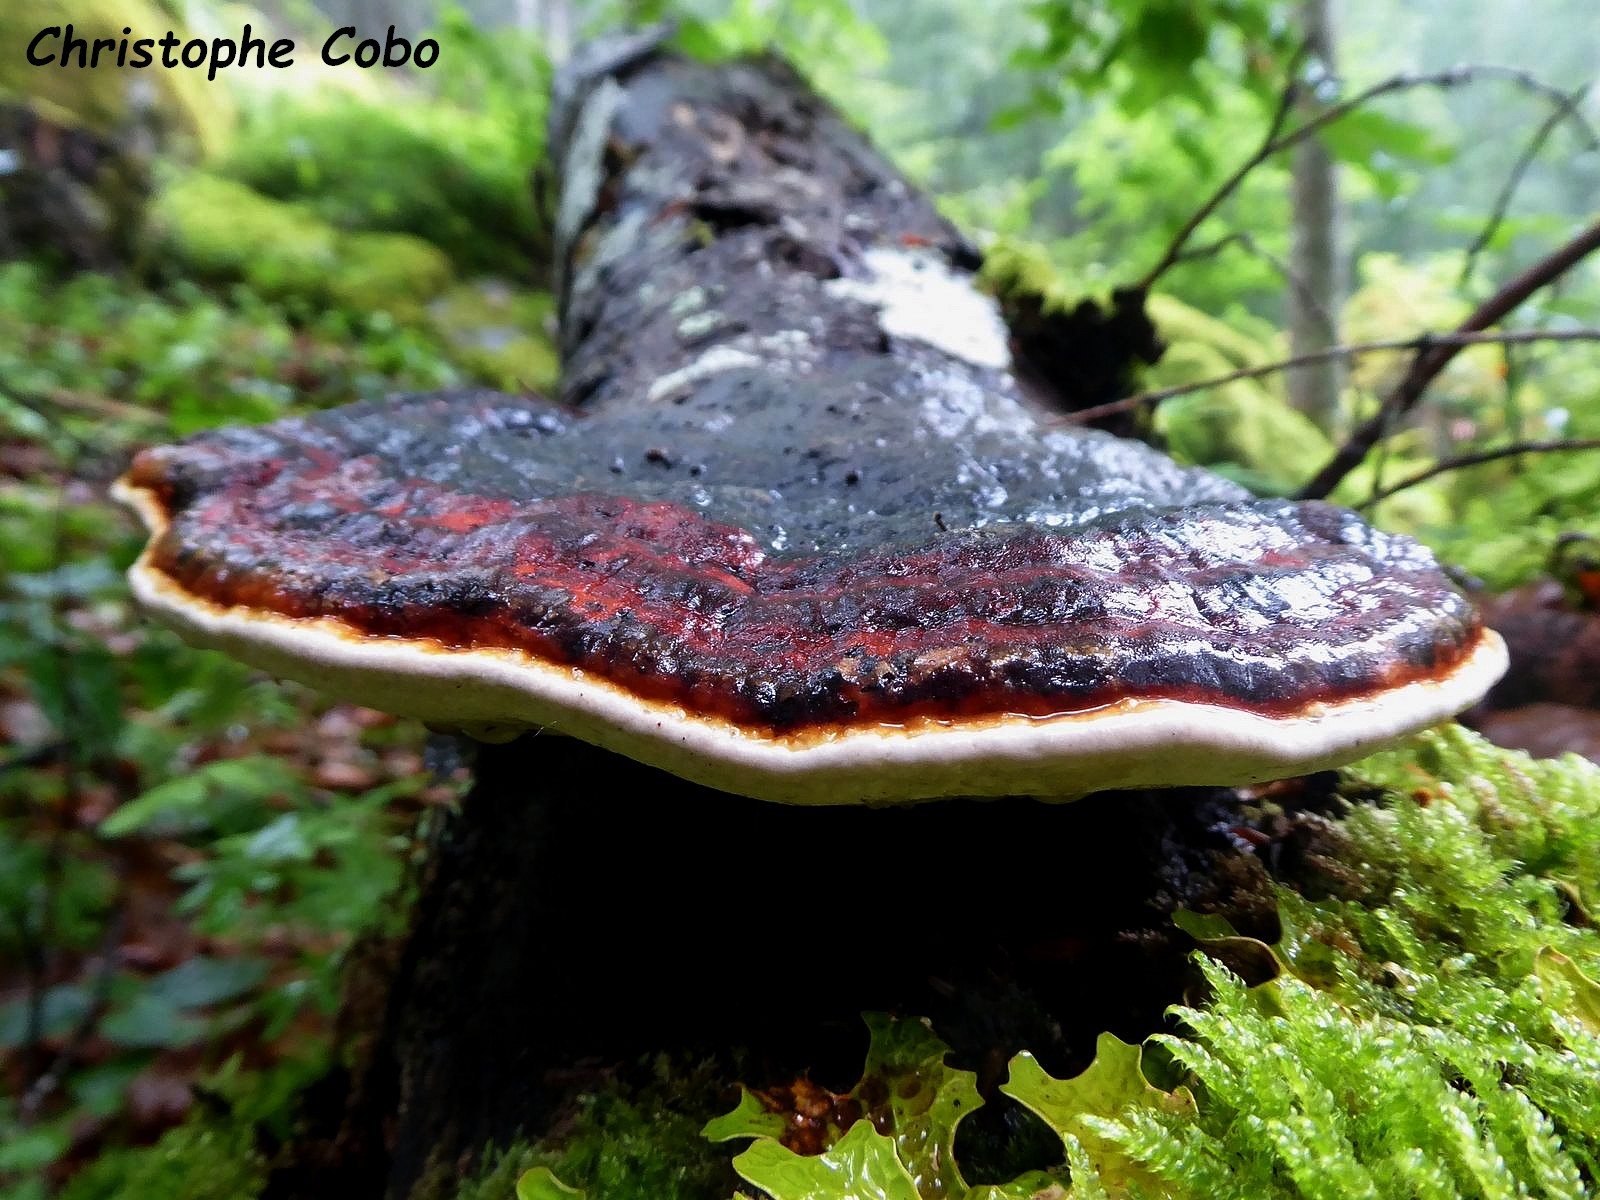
(55, 46)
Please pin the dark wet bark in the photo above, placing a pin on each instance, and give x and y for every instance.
(583, 911)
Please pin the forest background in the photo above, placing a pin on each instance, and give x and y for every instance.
(189, 853)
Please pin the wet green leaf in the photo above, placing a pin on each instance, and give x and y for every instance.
(1556, 968)
(540, 1183)
(862, 1165)
(193, 800)
(60, 1008)
(1248, 957)
(1356, 138)
(924, 1098)
(909, 1095)
(749, 1119)
(1108, 1088)
(199, 981)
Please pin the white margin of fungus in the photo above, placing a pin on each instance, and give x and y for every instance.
(1142, 743)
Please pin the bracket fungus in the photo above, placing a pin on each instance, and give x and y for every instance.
(796, 529)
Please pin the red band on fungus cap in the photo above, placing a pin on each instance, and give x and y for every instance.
(796, 533)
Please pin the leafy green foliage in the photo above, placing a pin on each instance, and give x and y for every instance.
(1111, 1086)
(1510, 518)
(180, 867)
(862, 1163)
(1447, 955)
(179, 361)
(1145, 52)
(892, 1137)
(541, 1183)
(829, 38)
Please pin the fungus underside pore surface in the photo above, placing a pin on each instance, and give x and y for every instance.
(793, 483)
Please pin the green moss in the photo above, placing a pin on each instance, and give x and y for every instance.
(1017, 266)
(221, 231)
(1244, 429)
(501, 332)
(1509, 518)
(1432, 1028)
(196, 1161)
(1435, 1028)
(1239, 430)
(107, 99)
(632, 1143)
(387, 272)
(436, 171)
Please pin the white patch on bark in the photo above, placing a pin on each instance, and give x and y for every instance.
(713, 362)
(919, 298)
(585, 161)
(789, 351)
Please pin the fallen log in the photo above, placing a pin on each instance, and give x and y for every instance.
(793, 532)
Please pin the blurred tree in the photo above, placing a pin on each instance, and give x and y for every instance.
(1316, 269)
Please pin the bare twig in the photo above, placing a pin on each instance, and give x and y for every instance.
(1210, 249)
(1249, 245)
(1497, 213)
(1277, 140)
(1421, 342)
(1268, 147)
(1456, 462)
(1433, 357)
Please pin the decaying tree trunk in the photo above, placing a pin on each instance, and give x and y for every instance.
(582, 909)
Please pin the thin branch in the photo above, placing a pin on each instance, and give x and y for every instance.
(1301, 288)
(1210, 249)
(1268, 147)
(1249, 245)
(1455, 463)
(1497, 214)
(1277, 141)
(1419, 343)
(1434, 357)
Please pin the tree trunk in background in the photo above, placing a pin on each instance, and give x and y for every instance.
(1316, 266)
(582, 909)
(551, 20)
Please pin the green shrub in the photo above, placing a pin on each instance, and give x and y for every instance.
(427, 169)
(220, 231)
